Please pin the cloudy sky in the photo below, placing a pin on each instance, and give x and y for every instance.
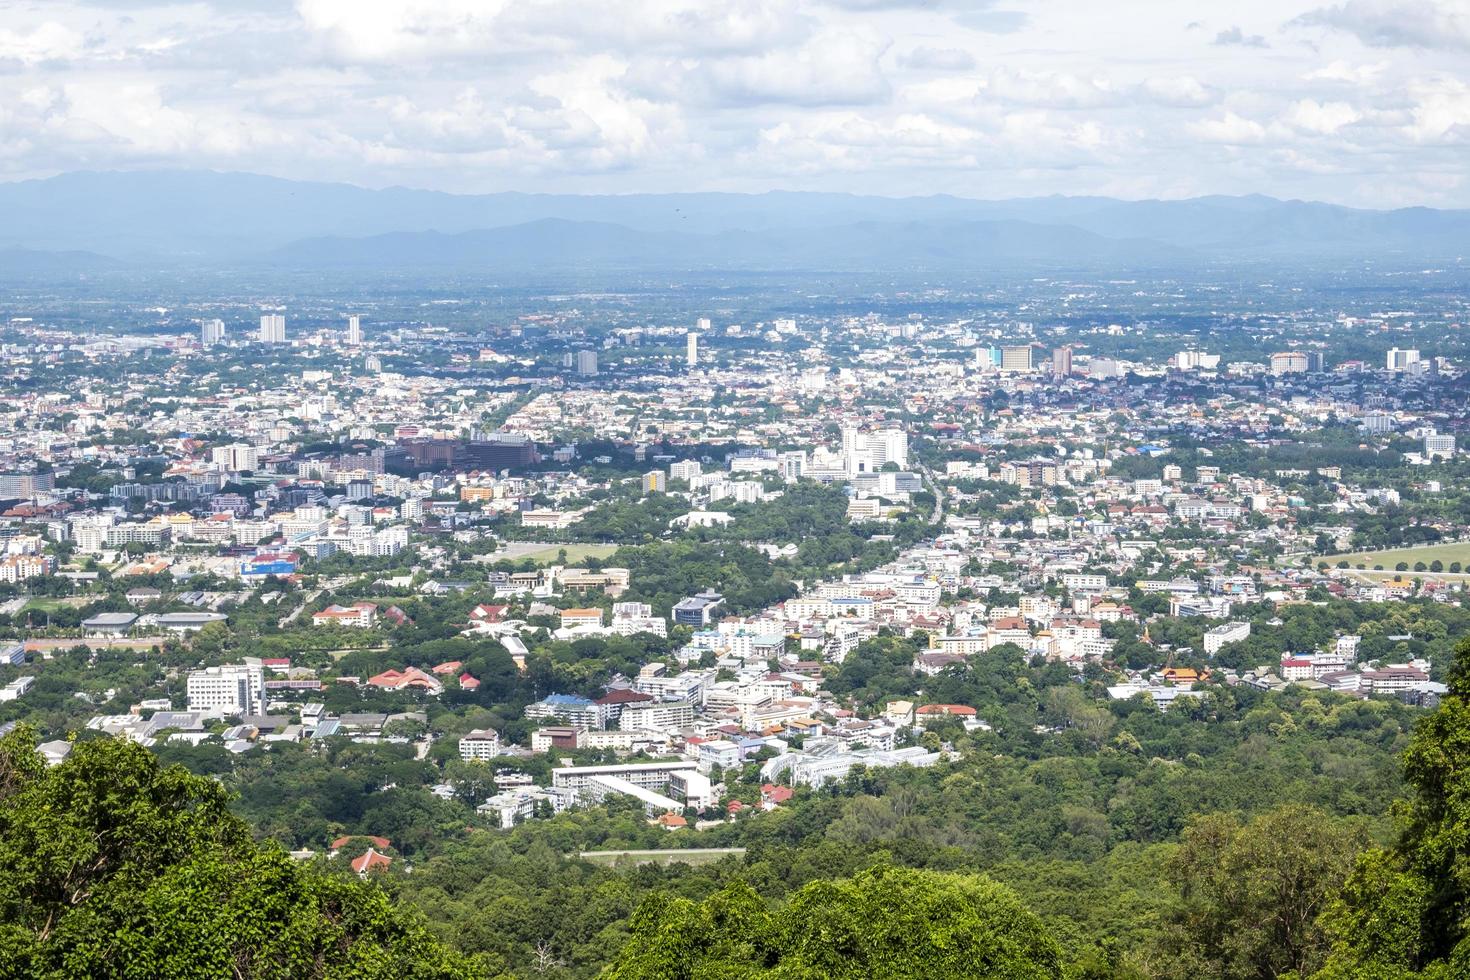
(1363, 102)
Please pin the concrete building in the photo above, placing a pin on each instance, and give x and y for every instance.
(1016, 359)
(272, 329)
(480, 745)
(1226, 633)
(1399, 360)
(1289, 362)
(236, 689)
(698, 610)
(655, 784)
(1061, 362)
(869, 452)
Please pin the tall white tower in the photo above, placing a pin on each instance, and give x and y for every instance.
(692, 356)
(354, 330)
(272, 329)
(212, 332)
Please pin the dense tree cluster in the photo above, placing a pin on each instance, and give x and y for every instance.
(114, 866)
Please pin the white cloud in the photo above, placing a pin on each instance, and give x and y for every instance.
(1228, 128)
(1342, 71)
(1234, 35)
(49, 41)
(1049, 88)
(894, 96)
(925, 58)
(1398, 23)
(1441, 111)
(1181, 90)
(1321, 117)
(839, 68)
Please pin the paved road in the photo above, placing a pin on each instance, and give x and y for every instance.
(286, 620)
(928, 474)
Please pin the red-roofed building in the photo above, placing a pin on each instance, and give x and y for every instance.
(468, 681)
(360, 615)
(488, 614)
(410, 679)
(773, 796)
(397, 616)
(370, 861)
(944, 711)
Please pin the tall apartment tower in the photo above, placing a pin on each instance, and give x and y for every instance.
(272, 329)
(354, 330)
(1061, 362)
(702, 325)
(212, 332)
(691, 357)
(587, 362)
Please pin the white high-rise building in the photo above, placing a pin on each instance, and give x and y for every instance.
(272, 329)
(1196, 360)
(236, 457)
(234, 689)
(702, 325)
(869, 452)
(1400, 359)
(212, 332)
(586, 362)
(692, 356)
(354, 330)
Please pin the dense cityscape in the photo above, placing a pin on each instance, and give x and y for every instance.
(637, 590)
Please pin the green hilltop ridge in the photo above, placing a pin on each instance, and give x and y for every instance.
(115, 865)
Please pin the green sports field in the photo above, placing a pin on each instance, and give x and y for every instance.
(548, 554)
(1446, 553)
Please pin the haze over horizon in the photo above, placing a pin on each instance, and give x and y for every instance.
(1362, 103)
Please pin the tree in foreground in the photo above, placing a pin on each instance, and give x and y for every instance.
(884, 924)
(1405, 910)
(112, 866)
(1251, 894)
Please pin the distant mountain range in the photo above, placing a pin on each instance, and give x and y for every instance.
(555, 242)
(202, 218)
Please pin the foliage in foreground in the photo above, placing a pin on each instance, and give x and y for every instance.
(1405, 910)
(884, 924)
(114, 866)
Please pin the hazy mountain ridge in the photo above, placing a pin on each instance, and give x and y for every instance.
(208, 218)
(867, 244)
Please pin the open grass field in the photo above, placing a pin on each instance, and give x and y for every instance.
(692, 856)
(1458, 551)
(546, 554)
(53, 603)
